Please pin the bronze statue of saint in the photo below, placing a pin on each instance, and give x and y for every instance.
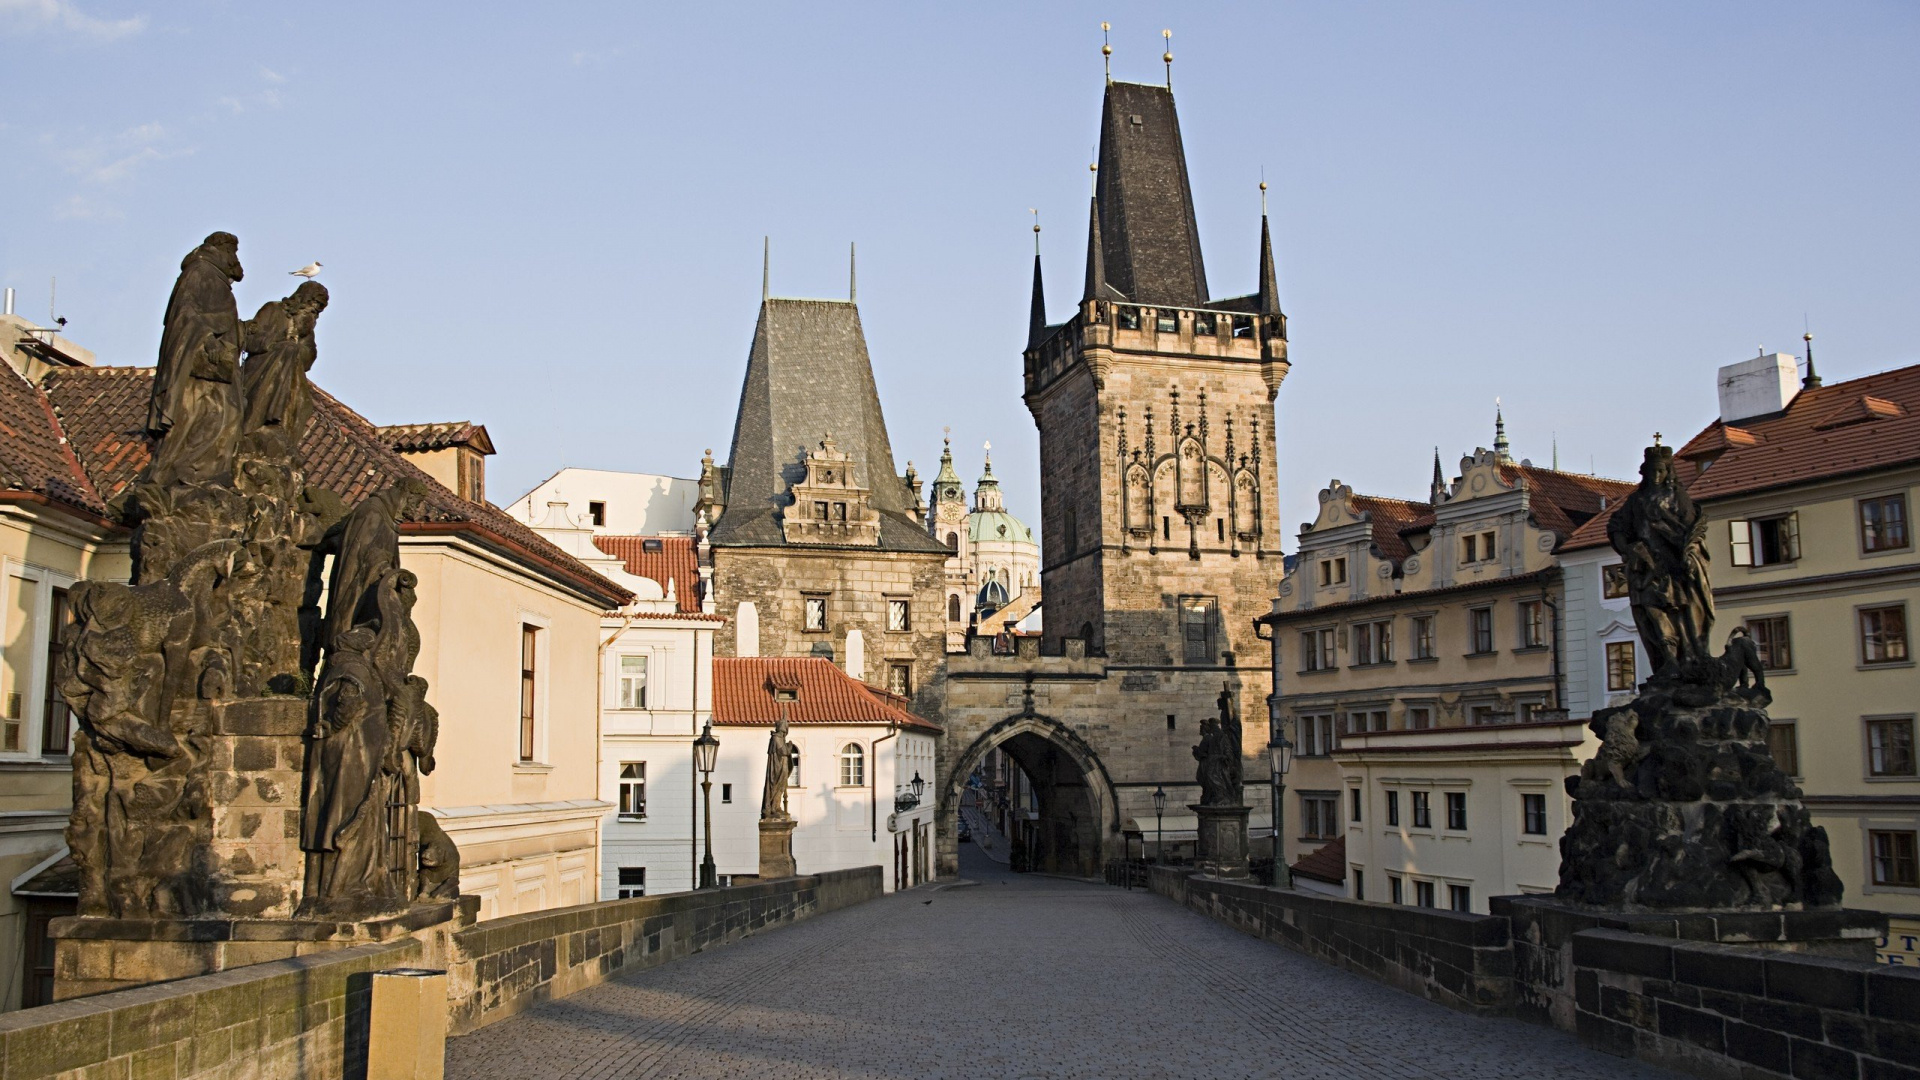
(280, 352)
(369, 548)
(1662, 539)
(194, 413)
(773, 800)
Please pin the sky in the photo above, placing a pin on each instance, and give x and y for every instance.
(549, 218)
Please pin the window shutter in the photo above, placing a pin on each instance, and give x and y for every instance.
(1793, 535)
(1740, 535)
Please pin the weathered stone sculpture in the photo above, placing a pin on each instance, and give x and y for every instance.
(196, 405)
(280, 352)
(1219, 754)
(1684, 807)
(773, 799)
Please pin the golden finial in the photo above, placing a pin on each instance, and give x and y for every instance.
(1106, 48)
(1167, 58)
(1093, 177)
(1263, 192)
(1035, 211)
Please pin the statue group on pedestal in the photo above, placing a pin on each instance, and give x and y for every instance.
(1683, 806)
(1221, 770)
(229, 544)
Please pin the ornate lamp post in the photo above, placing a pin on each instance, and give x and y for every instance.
(706, 750)
(1159, 823)
(1280, 760)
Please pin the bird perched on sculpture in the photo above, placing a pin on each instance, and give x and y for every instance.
(309, 271)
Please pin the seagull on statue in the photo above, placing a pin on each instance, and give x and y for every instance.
(309, 271)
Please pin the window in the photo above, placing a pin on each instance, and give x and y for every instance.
(1360, 722)
(1883, 634)
(1460, 898)
(816, 614)
(1166, 529)
(1317, 735)
(1765, 541)
(840, 511)
(1533, 624)
(1316, 650)
(1482, 714)
(1533, 814)
(597, 513)
(1783, 742)
(1620, 665)
(1373, 642)
(1419, 717)
(1771, 636)
(1393, 890)
(1318, 816)
(1129, 318)
(56, 717)
(1894, 858)
(1423, 893)
(652, 544)
(953, 609)
(1166, 322)
(1220, 528)
(633, 682)
(1469, 549)
(1359, 884)
(820, 511)
(1354, 801)
(529, 654)
(1457, 810)
(17, 659)
(1196, 627)
(1422, 637)
(1393, 815)
(1613, 581)
(1883, 523)
(853, 766)
(1170, 721)
(1480, 629)
(633, 791)
(953, 542)
(1203, 324)
(1422, 811)
(633, 882)
(1890, 747)
(900, 679)
(1333, 571)
(793, 766)
(899, 616)
(726, 793)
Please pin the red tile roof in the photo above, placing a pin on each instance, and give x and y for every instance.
(103, 411)
(676, 561)
(417, 438)
(743, 685)
(35, 459)
(1392, 519)
(1328, 863)
(1829, 431)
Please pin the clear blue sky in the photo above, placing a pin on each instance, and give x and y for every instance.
(548, 217)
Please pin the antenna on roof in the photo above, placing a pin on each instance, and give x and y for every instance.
(1106, 50)
(852, 280)
(766, 263)
(1167, 58)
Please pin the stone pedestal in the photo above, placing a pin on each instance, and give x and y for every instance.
(253, 768)
(776, 849)
(1221, 847)
(96, 955)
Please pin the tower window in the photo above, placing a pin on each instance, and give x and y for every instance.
(953, 542)
(1220, 528)
(1203, 324)
(1166, 322)
(597, 511)
(953, 609)
(1166, 528)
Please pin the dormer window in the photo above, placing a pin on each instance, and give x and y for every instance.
(652, 544)
(786, 693)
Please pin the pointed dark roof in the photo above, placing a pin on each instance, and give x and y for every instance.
(1152, 246)
(1037, 317)
(808, 375)
(1269, 287)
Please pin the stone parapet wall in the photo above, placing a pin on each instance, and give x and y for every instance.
(1459, 960)
(299, 1019)
(505, 966)
(1740, 1012)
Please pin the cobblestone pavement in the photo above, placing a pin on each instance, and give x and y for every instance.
(1016, 977)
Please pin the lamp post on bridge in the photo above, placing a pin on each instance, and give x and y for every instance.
(706, 752)
(1280, 760)
(1159, 823)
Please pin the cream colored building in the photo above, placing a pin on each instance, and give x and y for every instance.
(1418, 648)
(504, 616)
(1809, 491)
(993, 573)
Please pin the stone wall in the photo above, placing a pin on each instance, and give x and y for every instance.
(1459, 960)
(508, 965)
(1738, 1012)
(298, 1019)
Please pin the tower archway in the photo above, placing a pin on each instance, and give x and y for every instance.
(1074, 815)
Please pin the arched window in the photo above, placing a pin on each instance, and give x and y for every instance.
(953, 609)
(953, 542)
(853, 766)
(793, 765)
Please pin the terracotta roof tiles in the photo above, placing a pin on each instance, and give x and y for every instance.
(417, 438)
(1392, 520)
(1848, 427)
(34, 454)
(742, 694)
(675, 561)
(1327, 863)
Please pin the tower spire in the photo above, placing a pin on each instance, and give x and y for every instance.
(1106, 50)
(1037, 317)
(1500, 447)
(1096, 256)
(1269, 288)
(1437, 490)
(1812, 380)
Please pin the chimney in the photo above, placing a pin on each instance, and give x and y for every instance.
(9, 310)
(1758, 387)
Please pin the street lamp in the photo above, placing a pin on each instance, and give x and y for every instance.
(1280, 760)
(1159, 823)
(706, 751)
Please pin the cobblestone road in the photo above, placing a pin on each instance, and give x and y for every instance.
(1017, 977)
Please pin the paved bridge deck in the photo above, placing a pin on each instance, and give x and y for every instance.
(1020, 976)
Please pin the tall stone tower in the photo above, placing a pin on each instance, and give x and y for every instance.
(1155, 409)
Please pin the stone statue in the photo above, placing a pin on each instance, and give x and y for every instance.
(280, 350)
(1661, 537)
(1683, 807)
(773, 800)
(368, 547)
(342, 824)
(194, 413)
(439, 862)
(1220, 772)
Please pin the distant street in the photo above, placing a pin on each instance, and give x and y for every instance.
(1018, 976)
